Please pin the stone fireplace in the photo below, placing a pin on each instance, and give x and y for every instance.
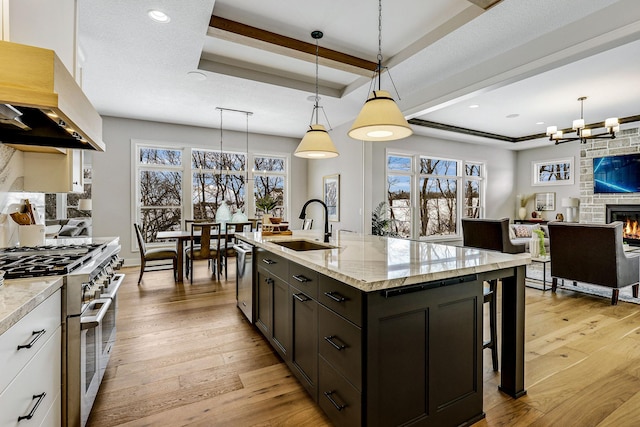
(629, 215)
(594, 208)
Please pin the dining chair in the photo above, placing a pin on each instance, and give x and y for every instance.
(207, 248)
(188, 222)
(155, 254)
(230, 240)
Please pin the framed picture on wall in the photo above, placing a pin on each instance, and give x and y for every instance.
(545, 201)
(553, 172)
(331, 195)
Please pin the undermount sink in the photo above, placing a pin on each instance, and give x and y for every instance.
(303, 245)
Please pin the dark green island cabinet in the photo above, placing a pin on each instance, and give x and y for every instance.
(409, 355)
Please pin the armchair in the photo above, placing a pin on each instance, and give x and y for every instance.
(492, 234)
(592, 253)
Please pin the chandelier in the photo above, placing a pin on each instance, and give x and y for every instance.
(612, 125)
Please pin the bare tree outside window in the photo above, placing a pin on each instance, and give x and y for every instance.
(160, 184)
(217, 178)
(269, 180)
(438, 197)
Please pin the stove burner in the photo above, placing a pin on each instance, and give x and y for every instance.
(21, 262)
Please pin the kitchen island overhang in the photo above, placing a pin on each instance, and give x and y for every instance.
(372, 263)
(438, 287)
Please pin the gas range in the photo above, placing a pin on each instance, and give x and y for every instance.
(22, 262)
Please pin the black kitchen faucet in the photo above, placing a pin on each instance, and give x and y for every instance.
(303, 215)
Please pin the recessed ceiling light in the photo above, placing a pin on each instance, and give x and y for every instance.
(158, 16)
(539, 123)
(474, 106)
(196, 75)
(513, 116)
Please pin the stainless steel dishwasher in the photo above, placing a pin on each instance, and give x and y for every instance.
(244, 278)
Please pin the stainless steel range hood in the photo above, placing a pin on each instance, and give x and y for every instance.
(41, 104)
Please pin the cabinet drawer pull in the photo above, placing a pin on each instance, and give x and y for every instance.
(335, 296)
(30, 415)
(329, 395)
(338, 346)
(301, 297)
(36, 336)
(269, 261)
(301, 278)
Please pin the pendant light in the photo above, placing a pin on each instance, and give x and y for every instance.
(380, 118)
(316, 143)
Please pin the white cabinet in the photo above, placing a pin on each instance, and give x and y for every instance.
(30, 380)
(53, 173)
(24, 21)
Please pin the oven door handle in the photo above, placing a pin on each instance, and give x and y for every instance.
(89, 322)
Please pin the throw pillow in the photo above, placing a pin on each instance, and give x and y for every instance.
(512, 232)
(523, 231)
(77, 223)
(70, 231)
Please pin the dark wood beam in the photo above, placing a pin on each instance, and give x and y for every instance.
(474, 132)
(237, 28)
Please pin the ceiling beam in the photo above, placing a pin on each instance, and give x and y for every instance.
(474, 132)
(227, 29)
(485, 4)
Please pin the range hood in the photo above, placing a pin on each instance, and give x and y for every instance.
(41, 105)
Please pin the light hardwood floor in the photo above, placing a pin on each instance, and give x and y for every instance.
(186, 356)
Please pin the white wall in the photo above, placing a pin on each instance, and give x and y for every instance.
(525, 175)
(113, 185)
(362, 173)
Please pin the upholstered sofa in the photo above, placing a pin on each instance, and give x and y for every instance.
(520, 234)
(592, 253)
(68, 227)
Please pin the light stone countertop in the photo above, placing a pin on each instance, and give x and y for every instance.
(19, 296)
(372, 263)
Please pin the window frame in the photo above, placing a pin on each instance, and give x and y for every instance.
(415, 178)
(187, 178)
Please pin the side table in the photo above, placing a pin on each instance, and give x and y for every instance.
(544, 261)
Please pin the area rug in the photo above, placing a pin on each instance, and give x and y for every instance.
(534, 280)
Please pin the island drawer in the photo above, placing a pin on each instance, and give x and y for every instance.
(304, 279)
(274, 264)
(340, 343)
(338, 398)
(341, 298)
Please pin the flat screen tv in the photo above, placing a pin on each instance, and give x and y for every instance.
(617, 174)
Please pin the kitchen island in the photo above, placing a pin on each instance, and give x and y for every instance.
(384, 331)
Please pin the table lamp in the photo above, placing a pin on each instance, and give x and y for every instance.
(571, 203)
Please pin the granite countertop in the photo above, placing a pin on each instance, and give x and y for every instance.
(371, 263)
(19, 296)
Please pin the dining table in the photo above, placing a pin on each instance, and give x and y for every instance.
(180, 237)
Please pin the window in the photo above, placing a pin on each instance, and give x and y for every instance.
(399, 169)
(438, 197)
(553, 172)
(159, 179)
(217, 178)
(473, 207)
(170, 188)
(270, 177)
(436, 183)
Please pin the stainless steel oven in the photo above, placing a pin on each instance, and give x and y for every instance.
(90, 295)
(89, 306)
